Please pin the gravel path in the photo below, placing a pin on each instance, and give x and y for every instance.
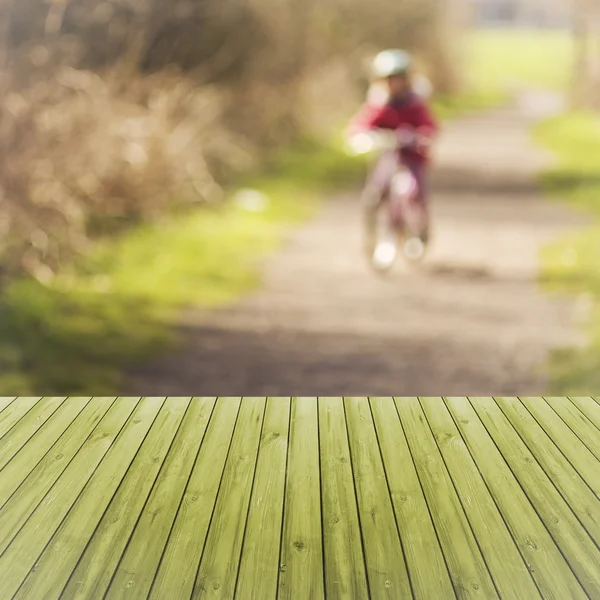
(470, 320)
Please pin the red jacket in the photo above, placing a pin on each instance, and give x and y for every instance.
(412, 112)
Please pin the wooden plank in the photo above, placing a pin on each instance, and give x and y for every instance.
(177, 571)
(466, 565)
(386, 566)
(585, 463)
(98, 564)
(17, 506)
(135, 573)
(426, 565)
(259, 567)
(546, 564)
(218, 570)
(583, 428)
(582, 501)
(505, 563)
(19, 558)
(6, 401)
(55, 565)
(301, 572)
(345, 574)
(14, 412)
(590, 408)
(572, 539)
(23, 464)
(52, 502)
(27, 427)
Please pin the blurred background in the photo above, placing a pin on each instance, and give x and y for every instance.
(154, 154)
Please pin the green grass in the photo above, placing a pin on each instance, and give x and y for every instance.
(451, 106)
(117, 306)
(499, 61)
(572, 264)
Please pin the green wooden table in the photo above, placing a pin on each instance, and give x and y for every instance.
(299, 498)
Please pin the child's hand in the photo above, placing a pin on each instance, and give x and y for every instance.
(424, 142)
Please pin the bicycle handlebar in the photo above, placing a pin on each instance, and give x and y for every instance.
(382, 139)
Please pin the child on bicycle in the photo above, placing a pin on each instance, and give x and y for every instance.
(401, 107)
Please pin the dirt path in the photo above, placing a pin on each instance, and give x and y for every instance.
(471, 320)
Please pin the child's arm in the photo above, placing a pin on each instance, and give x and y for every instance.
(371, 117)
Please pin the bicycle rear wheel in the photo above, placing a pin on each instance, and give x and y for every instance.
(415, 243)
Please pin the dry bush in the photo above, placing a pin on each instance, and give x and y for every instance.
(77, 149)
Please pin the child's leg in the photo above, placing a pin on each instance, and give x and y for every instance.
(420, 172)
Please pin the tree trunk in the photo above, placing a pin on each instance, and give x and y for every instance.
(442, 44)
(582, 67)
(596, 50)
(300, 26)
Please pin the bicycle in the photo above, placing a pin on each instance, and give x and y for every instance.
(401, 220)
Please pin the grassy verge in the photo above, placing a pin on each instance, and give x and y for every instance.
(449, 107)
(572, 264)
(115, 308)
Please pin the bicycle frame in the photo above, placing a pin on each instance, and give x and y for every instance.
(404, 214)
(402, 198)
